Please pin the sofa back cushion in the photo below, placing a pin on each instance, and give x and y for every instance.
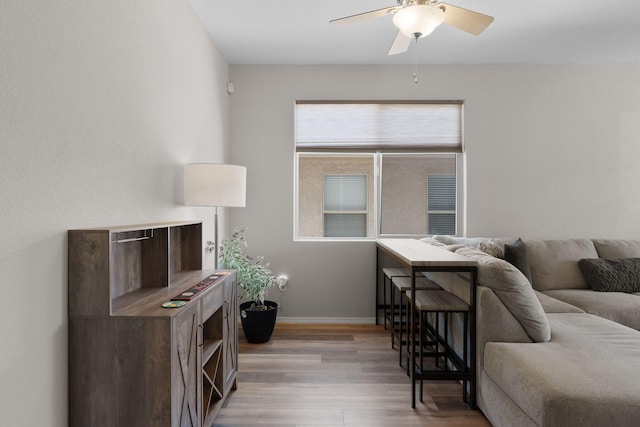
(514, 290)
(616, 249)
(554, 263)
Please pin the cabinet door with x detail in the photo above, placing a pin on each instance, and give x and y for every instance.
(186, 366)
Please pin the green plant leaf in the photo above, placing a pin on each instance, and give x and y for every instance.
(254, 276)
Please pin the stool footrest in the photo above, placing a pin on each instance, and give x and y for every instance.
(441, 301)
(403, 284)
(392, 272)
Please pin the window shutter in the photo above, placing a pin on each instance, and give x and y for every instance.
(441, 200)
(442, 224)
(442, 192)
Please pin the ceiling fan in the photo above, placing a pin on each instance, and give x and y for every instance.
(418, 18)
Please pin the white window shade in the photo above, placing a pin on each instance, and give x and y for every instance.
(345, 225)
(345, 192)
(324, 126)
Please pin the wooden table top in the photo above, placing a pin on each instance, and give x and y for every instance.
(419, 254)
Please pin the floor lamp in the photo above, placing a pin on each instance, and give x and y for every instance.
(217, 185)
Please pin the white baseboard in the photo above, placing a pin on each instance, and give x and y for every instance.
(329, 320)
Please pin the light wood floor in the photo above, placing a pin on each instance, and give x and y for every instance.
(335, 375)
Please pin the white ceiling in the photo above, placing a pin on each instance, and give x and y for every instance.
(524, 31)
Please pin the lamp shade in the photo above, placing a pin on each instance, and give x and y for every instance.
(418, 20)
(214, 184)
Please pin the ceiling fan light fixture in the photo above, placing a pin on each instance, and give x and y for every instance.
(418, 20)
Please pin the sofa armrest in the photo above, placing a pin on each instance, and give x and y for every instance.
(495, 323)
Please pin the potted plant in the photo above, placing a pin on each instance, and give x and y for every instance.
(258, 317)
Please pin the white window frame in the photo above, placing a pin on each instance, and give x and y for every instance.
(377, 179)
(460, 197)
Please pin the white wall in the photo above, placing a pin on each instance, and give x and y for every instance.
(101, 105)
(552, 152)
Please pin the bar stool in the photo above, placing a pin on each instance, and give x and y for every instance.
(439, 303)
(389, 273)
(401, 285)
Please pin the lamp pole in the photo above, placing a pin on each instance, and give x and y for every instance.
(215, 234)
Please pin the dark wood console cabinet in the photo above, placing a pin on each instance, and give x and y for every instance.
(131, 361)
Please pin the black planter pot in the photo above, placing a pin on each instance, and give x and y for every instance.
(258, 325)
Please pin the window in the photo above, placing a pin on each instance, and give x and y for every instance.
(441, 204)
(312, 210)
(365, 170)
(407, 206)
(345, 205)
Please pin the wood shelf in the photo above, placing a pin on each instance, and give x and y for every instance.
(209, 347)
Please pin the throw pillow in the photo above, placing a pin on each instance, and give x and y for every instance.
(493, 248)
(454, 240)
(516, 255)
(611, 275)
(431, 241)
(452, 248)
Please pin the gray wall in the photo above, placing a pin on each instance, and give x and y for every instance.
(101, 105)
(552, 152)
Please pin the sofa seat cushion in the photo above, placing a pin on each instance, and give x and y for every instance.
(554, 305)
(587, 375)
(619, 307)
(554, 263)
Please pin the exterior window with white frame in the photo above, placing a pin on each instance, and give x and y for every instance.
(441, 209)
(345, 205)
(363, 168)
(324, 205)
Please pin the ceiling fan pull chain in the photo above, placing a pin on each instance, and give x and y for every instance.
(415, 62)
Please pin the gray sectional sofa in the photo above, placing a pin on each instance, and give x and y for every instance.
(552, 350)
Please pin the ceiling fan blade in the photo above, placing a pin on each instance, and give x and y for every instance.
(465, 19)
(364, 16)
(400, 44)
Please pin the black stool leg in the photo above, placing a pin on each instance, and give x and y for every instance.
(446, 339)
(392, 317)
(437, 338)
(464, 355)
(423, 340)
(401, 324)
(385, 311)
